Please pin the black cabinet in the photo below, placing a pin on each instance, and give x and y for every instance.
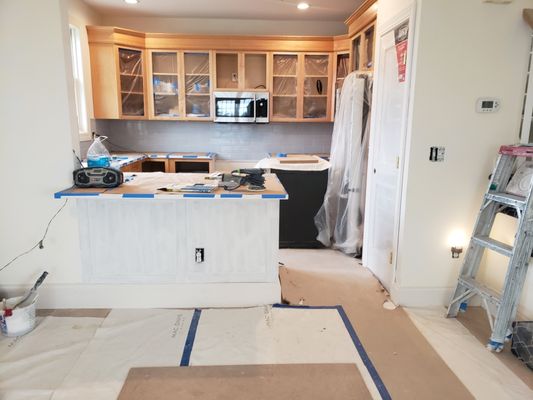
(306, 191)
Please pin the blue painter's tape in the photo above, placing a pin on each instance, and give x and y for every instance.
(189, 342)
(138, 196)
(231, 196)
(59, 195)
(357, 343)
(273, 196)
(200, 195)
(385, 395)
(463, 306)
(190, 156)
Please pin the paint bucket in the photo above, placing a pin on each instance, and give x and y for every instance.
(22, 319)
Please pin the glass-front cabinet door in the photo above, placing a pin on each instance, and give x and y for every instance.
(316, 86)
(284, 86)
(130, 63)
(165, 85)
(197, 84)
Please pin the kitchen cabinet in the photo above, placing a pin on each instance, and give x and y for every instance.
(197, 67)
(138, 75)
(241, 70)
(164, 85)
(301, 88)
(342, 69)
(131, 82)
(363, 49)
(119, 86)
(180, 85)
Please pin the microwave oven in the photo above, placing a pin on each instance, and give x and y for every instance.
(250, 107)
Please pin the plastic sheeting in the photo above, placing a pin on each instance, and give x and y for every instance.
(131, 81)
(88, 358)
(340, 219)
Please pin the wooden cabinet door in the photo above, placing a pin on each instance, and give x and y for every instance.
(132, 85)
(164, 85)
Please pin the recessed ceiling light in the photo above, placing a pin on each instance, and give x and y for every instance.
(302, 6)
(131, 1)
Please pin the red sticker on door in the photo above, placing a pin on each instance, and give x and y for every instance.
(401, 34)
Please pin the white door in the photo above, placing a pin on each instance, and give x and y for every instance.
(387, 139)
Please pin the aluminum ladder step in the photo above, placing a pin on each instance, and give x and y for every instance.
(508, 199)
(480, 289)
(492, 244)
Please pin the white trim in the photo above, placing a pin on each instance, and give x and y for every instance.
(186, 295)
(528, 105)
(421, 296)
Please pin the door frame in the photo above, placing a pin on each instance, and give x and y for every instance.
(407, 14)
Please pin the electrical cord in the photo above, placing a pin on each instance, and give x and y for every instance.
(40, 243)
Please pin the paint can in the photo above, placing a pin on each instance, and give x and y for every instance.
(22, 319)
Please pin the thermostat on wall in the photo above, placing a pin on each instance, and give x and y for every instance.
(487, 105)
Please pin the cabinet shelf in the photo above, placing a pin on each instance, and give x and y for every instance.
(198, 94)
(196, 74)
(124, 74)
(284, 76)
(316, 76)
(284, 95)
(165, 73)
(136, 93)
(315, 95)
(165, 94)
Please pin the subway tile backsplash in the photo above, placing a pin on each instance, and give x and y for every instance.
(229, 141)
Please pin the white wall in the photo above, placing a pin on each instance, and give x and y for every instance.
(214, 26)
(464, 50)
(38, 130)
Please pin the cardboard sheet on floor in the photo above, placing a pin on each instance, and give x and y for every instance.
(265, 335)
(126, 339)
(479, 369)
(281, 382)
(34, 365)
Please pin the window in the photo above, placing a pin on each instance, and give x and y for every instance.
(79, 88)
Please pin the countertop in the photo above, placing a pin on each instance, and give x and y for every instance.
(145, 186)
(120, 160)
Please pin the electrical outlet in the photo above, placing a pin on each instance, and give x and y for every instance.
(234, 77)
(436, 154)
(199, 255)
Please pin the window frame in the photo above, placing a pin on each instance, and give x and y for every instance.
(80, 93)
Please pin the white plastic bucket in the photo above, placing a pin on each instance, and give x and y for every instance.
(21, 321)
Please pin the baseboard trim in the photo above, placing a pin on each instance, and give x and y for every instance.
(204, 295)
(421, 296)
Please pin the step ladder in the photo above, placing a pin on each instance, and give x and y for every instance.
(500, 307)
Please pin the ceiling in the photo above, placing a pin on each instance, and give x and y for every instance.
(320, 10)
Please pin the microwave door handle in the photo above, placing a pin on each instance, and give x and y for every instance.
(255, 107)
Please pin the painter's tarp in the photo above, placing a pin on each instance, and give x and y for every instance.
(340, 219)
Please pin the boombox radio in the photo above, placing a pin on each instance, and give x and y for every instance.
(98, 177)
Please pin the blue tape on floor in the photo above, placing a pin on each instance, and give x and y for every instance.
(364, 356)
(357, 343)
(189, 342)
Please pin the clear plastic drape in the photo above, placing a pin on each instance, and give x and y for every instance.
(340, 219)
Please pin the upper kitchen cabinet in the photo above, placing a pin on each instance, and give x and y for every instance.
(361, 30)
(138, 75)
(241, 70)
(301, 87)
(165, 85)
(197, 66)
(131, 82)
